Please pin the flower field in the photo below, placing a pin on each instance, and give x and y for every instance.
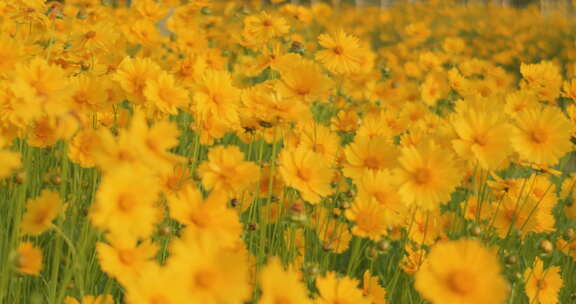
(229, 152)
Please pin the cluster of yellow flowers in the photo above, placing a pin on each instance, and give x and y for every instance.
(172, 152)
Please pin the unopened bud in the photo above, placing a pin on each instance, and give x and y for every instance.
(546, 246)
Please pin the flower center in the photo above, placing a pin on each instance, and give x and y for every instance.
(204, 279)
(267, 23)
(159, 299)
(461, 282)
(303, 174)
(338, 50)
(126, 257)
(541, 284)
(479, 140)
(422, 176)
(280, 299)
(372, 163)
(538, 136)
(125, 203)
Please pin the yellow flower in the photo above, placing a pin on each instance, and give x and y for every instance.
(125, 202)
(96, 37)
(11, 52)
(152, 143)
(461, 271)
(281, 286)
(262, 27)
(208, 273)
(318, 138)
(165, 94)
(142, 31)
(8, 162)
(339, 290)
(342, 54)
(373, 289)
(382, 187)
(542, 135)
(434, 88)
(367, 154)
(307, 172)
(226, 170)
(543, 79)
(82, 148)
(124, 258)
(209, 217)
(537, 198)
(520, 101)
(41, 83)
(151, 10)
(87, 94)
(482, 136)
(101, 299)
(155, 285)
(542, 285)
(427, 176)
(40, 212)
(29, 259)
(369, 219)
(333, 234)
(569, 89)
(303, 80)
(133, 74)
(216, 98)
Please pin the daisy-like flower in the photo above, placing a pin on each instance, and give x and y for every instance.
(124, 259)
(125, 202)
(40, 212)
(569, 89)
(40, 82)
(367, 154)
(83, 146)
(382, 187)
(208, 273)
(165, 94)
(482, 136)
(9, 161)
(373, 289)
(11, 52)
(461, 271)
(227, 171)
(217, 98)
(542, 135)
(133, 74)
(304, 80)
(543, 285)
(87, 94)
(101, 299)
(28, 259)
(209, 217)
(369, 219)
(543, 79)
(306, 171)
(155, 285)
(262, 27)
(281, 286)
(339, 291)
(342, 53)
(427, 176)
